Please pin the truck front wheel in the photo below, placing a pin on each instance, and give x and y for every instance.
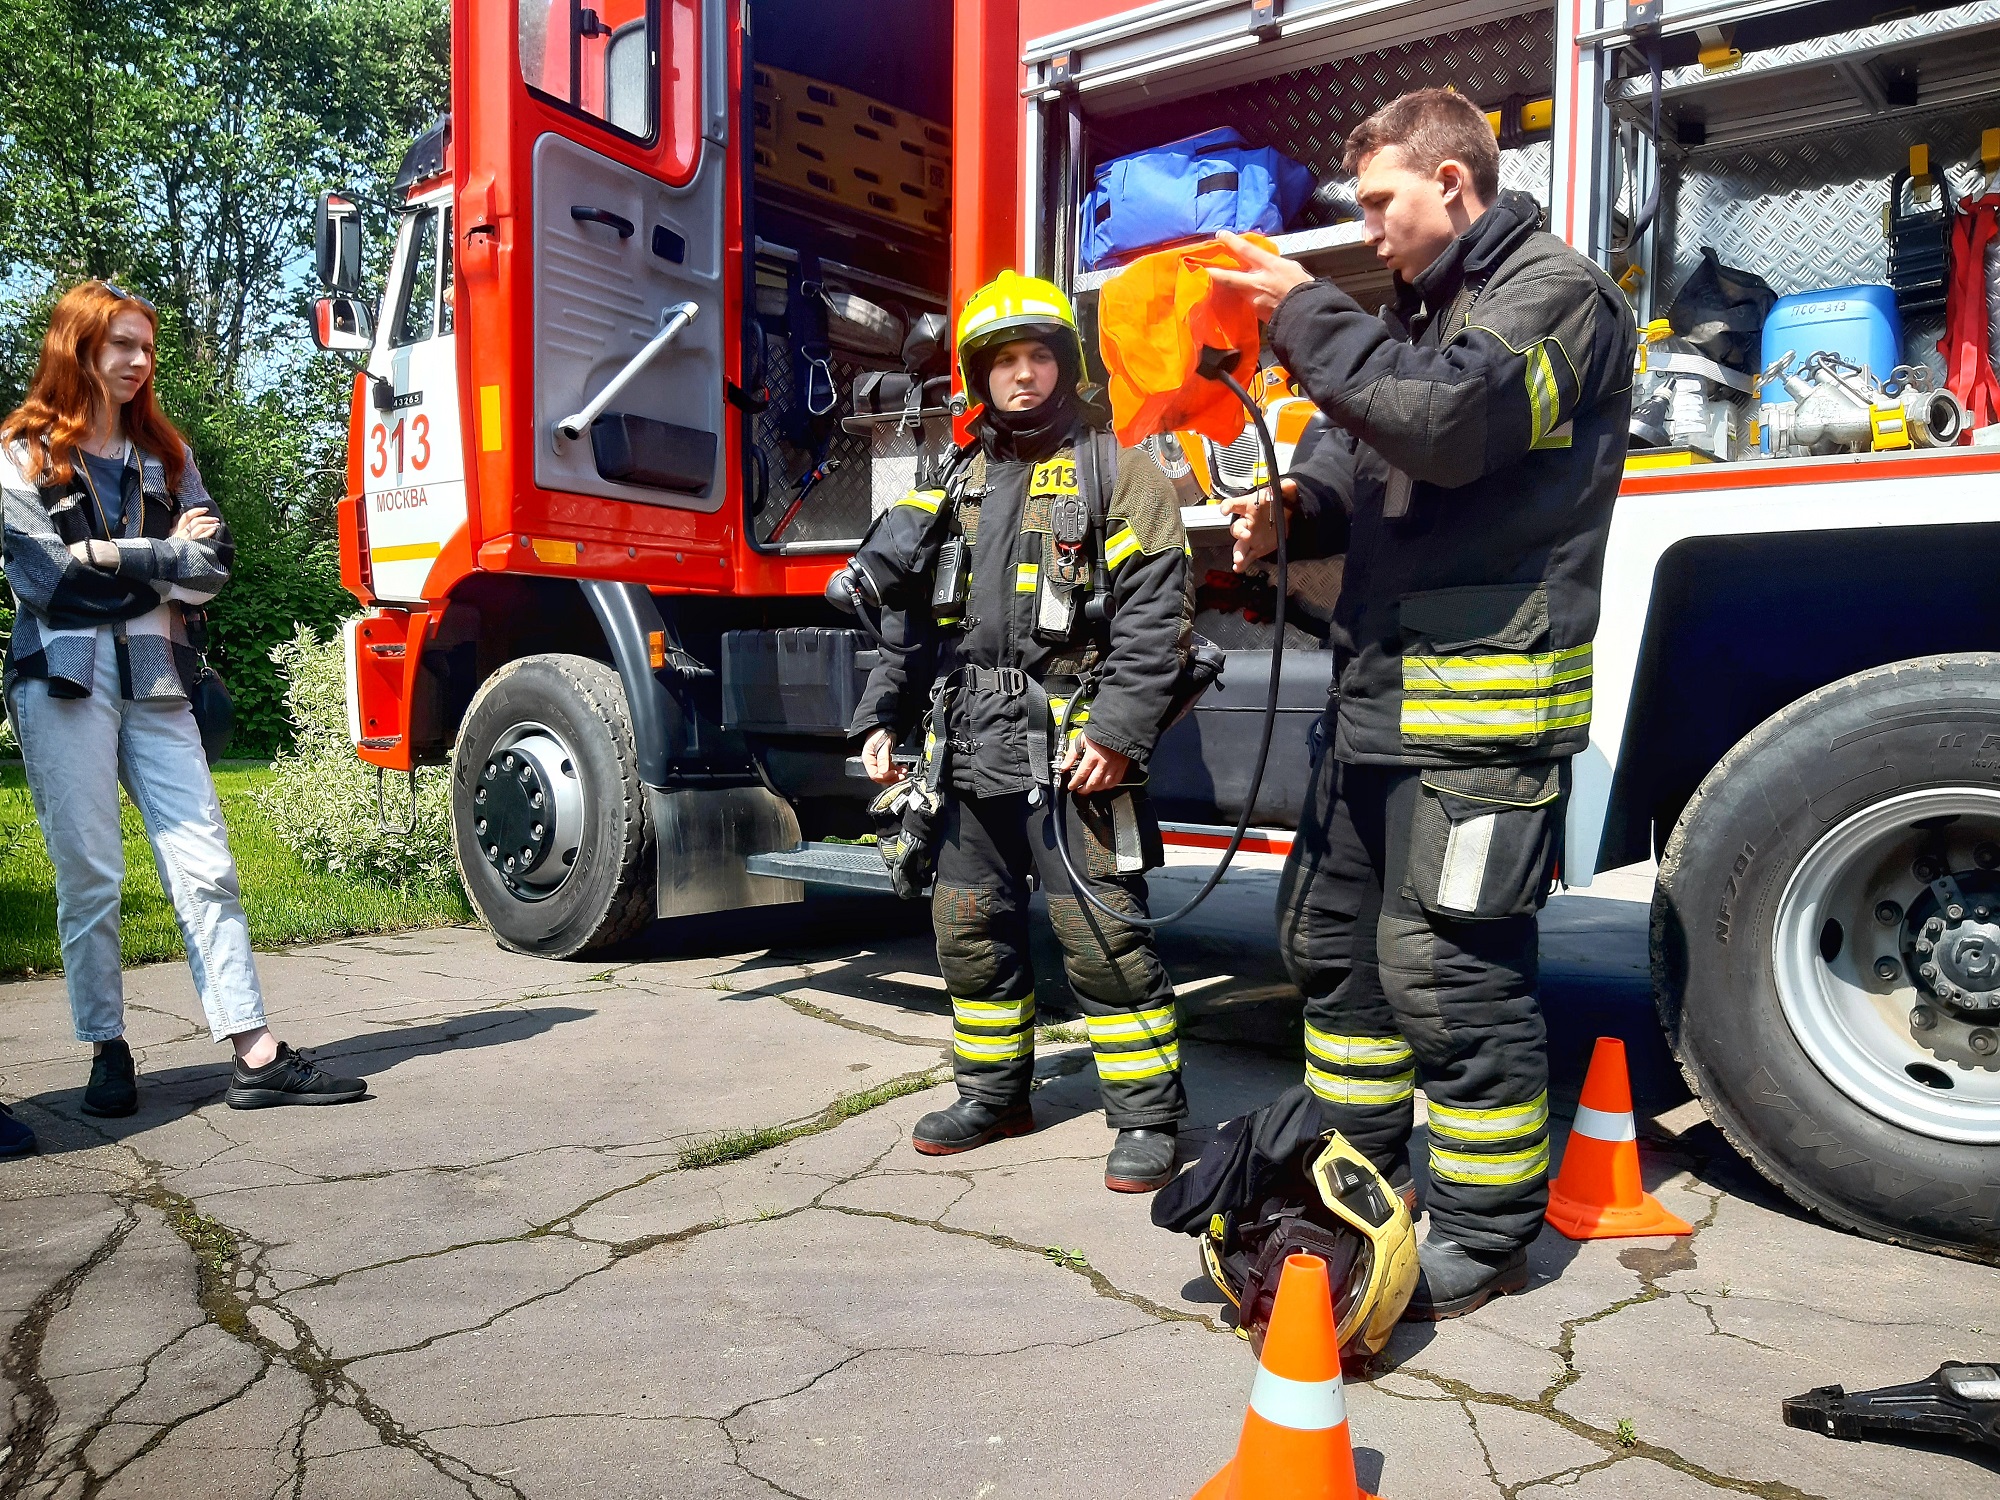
(548, 814)
(1826, 951)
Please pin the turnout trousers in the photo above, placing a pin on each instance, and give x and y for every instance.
(1406, 913)
(979, 906)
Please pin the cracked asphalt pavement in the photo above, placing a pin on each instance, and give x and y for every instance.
(509, 1273)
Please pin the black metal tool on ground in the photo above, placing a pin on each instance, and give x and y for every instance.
(1960, 1402)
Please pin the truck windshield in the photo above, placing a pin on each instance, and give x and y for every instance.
(599, 60)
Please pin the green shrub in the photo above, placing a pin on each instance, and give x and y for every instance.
(322, 798)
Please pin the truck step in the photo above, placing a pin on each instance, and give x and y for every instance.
(856, 866)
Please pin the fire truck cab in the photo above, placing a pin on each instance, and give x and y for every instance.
(661, 332)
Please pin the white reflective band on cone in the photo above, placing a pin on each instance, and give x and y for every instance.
(1600, 1126)
(1302, 1405)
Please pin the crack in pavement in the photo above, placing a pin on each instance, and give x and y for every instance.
(1649, 1264)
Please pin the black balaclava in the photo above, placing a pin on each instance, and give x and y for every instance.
(1037, 433)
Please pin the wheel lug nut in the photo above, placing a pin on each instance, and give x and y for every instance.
(1955, 912)
(1933, 928)
(538, 833)
(1887, 968)
(1981, 913)
(480, 828)
(1923, 1018)
(1928, 971)
(1888, 913)
(1985, 1041)
(1986, 856)
(1923, 945)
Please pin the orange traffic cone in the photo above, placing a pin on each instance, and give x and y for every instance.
(1598, 1195)
(1294, 1444)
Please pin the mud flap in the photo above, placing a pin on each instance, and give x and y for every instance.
(703, 838)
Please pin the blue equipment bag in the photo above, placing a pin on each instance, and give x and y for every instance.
(1189, 190)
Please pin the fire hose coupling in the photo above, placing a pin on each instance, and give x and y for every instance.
(672, 320)
(1839, 407)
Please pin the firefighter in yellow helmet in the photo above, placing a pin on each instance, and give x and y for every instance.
(1036, 609)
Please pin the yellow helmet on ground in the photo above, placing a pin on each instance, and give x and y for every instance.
(1012, 307)
(1360, 1227)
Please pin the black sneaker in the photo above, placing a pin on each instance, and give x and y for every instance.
(16, 1139)
(289, 1078)
(113, 1090)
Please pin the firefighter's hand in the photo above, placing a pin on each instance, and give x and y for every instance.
(878, 758)
(1264, 279)
(1092, 768)
(1250, 525)
(197, 525)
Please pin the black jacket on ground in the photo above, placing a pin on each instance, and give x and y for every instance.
(999, 496)
(1471, 487)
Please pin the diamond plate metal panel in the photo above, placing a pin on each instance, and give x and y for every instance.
(1308, 114)
(1806, 213)
(838, 508)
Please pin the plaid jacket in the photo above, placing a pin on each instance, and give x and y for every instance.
(61, 604)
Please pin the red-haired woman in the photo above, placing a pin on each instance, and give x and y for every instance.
(108, 537)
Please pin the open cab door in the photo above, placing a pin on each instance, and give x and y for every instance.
(591, 172)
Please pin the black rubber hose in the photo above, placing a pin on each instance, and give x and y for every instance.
(1275, 487)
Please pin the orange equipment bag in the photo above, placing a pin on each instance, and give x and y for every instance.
(1153, 320)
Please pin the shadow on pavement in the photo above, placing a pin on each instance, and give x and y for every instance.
(169, 1093)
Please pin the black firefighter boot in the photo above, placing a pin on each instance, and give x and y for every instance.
(1453, 1280)
(1141, 1159)
(970, 1123)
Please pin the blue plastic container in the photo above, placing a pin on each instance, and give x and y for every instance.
(1856, 322)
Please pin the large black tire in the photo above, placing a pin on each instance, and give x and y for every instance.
(607, 892)
(1828, 763)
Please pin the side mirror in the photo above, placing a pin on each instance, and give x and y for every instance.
(343, 324)
(337, 242)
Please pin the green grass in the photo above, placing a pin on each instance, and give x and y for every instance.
(734, 1145)
(287, 902)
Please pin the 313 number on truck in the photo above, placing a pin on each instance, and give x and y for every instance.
(660, 334)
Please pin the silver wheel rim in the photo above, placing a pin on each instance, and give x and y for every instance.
(1851, 1017)
(555, 763)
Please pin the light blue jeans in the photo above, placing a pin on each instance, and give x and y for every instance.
(77, 750)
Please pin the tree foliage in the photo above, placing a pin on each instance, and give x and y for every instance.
(176, 147)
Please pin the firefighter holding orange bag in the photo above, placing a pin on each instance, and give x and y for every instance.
(1482, 436)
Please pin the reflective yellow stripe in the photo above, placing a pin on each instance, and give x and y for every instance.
(1143, 1025)
(1128, 1067)
(1336, 1089)
(1562, 437)
(1365, 1051)
(1517, 717)
(928, 500)
(993, 1048)
(1026, 576)
(1528, 672)
(993, 1012)
(1544, 401)
(1501, 1170)
(1120, 545)
(408, 552)
(1500, 1124)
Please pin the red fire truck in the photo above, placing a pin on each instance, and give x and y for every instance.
(660, 335)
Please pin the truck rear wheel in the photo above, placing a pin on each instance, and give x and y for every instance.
(1826, 951)
(548, 814)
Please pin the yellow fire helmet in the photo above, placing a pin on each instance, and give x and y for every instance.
(1012, 307)
(1359, 1226)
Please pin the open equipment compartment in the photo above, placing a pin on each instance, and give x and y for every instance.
(1783, 132)
(847, 183)
(1101, 92)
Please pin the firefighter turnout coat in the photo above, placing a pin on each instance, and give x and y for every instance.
(1481, 436)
